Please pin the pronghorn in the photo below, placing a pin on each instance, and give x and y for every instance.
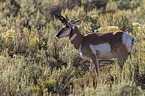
(94, 46)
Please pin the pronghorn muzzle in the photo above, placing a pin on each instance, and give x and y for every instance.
(57, 35)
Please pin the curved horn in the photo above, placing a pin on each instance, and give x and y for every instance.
(62, 19)
(66, 17)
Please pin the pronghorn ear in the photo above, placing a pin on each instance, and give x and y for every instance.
(76, 22)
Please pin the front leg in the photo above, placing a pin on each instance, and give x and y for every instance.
(91, 69)
(96, 63)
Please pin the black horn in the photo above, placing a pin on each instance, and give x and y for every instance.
(62, 19)
(66, 17)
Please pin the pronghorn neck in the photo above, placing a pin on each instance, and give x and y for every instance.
(76, 37)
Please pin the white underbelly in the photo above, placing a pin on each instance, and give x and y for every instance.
(102, 51)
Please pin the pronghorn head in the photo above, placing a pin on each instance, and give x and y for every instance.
(68, 26)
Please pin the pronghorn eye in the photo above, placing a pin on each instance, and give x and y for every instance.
(67, 26)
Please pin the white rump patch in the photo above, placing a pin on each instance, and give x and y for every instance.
(127, 41)
(65, 33)
(73, 37)
(103, 51)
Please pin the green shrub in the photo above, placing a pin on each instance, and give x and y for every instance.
(117, 19)
(12, 83)
(34, 62)
(120, 89)
(108, 28)
(128, 4)
(111, 7)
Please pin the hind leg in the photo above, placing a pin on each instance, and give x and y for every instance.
(121, 54)
(120, 60)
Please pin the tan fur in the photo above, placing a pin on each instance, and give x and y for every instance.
(113, 38)
(82, 44)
